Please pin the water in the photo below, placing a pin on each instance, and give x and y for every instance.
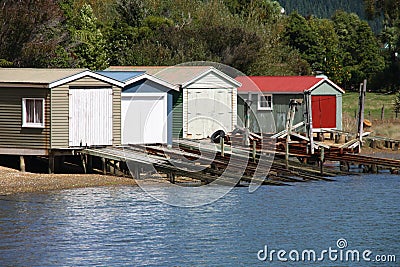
(123, 226)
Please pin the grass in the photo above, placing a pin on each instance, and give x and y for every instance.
(388, 127)
(373, 105)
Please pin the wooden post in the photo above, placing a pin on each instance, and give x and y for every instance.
(22, 163)
(114, 165)
(373, 143)
(289, 115)
(247, 111)
(137, 171)
(287, 155)
(396, 146)
(344, 166)
(84, 165)
(51, 163)
(322, 158)
(103, 165)
(383, 112)
(309, 127)
(374, 168)
(89, 164)
(337, 138)
(363, 89)
(172, 177)
(221, 141)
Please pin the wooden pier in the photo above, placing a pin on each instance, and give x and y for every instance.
(206, 162)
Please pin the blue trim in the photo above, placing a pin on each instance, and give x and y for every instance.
(121, 76)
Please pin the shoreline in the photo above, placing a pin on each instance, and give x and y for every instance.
(14, 182)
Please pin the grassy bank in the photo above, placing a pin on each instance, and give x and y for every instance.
(373, 105)
(389, 126)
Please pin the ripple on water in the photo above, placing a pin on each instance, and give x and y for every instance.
(124, 226)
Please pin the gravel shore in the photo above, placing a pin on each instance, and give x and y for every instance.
(13, 181)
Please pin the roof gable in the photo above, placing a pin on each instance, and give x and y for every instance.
(49, 78)
(121, 76)
(179, 75)
(130, 77)
(35, 76)
(282, 84)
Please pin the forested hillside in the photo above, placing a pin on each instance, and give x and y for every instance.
(323, 8)
(326, 8)
(253, 36)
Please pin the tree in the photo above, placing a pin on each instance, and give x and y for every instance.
(332, 61)
(299, 35)
(389, 10)
(30, 31)
(359, 48)
(397, 103)
(90, 45)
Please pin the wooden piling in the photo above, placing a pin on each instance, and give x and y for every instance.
(172, 177)
(373, 143)
(309, 122)
(322, 158)
(221, 141)
(363, 89)
(22, 163)
(84, 163)
(344, 166)
(337, 138)
(287, 155)
(374, 168)
(51, 163)
(321, 137)
(103, 165)
(136, 171)
(396, 146)
(89, 164)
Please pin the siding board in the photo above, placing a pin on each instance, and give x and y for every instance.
(177, 115)
(12, 134)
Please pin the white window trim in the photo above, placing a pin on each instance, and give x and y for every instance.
(27, 124)
(259, 107)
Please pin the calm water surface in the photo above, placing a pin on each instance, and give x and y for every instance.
(124, 226)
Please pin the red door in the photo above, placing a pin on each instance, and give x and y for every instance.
(323, 111)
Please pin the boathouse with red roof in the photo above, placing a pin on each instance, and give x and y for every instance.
(268, 99)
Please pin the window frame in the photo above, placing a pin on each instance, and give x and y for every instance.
(26, 124)
(261, 98)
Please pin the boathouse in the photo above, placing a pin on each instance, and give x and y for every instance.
(270, 96)
(54, 111)
(205, 103)
(146, 102)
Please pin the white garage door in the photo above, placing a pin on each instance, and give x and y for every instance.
(209, 110)
(144, 118)
(90, 117)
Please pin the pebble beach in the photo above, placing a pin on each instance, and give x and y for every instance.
(13, 181)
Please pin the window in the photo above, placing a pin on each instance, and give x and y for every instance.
(264, 102)
(33, 112)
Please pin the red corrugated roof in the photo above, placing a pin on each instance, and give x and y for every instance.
(277, 84)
